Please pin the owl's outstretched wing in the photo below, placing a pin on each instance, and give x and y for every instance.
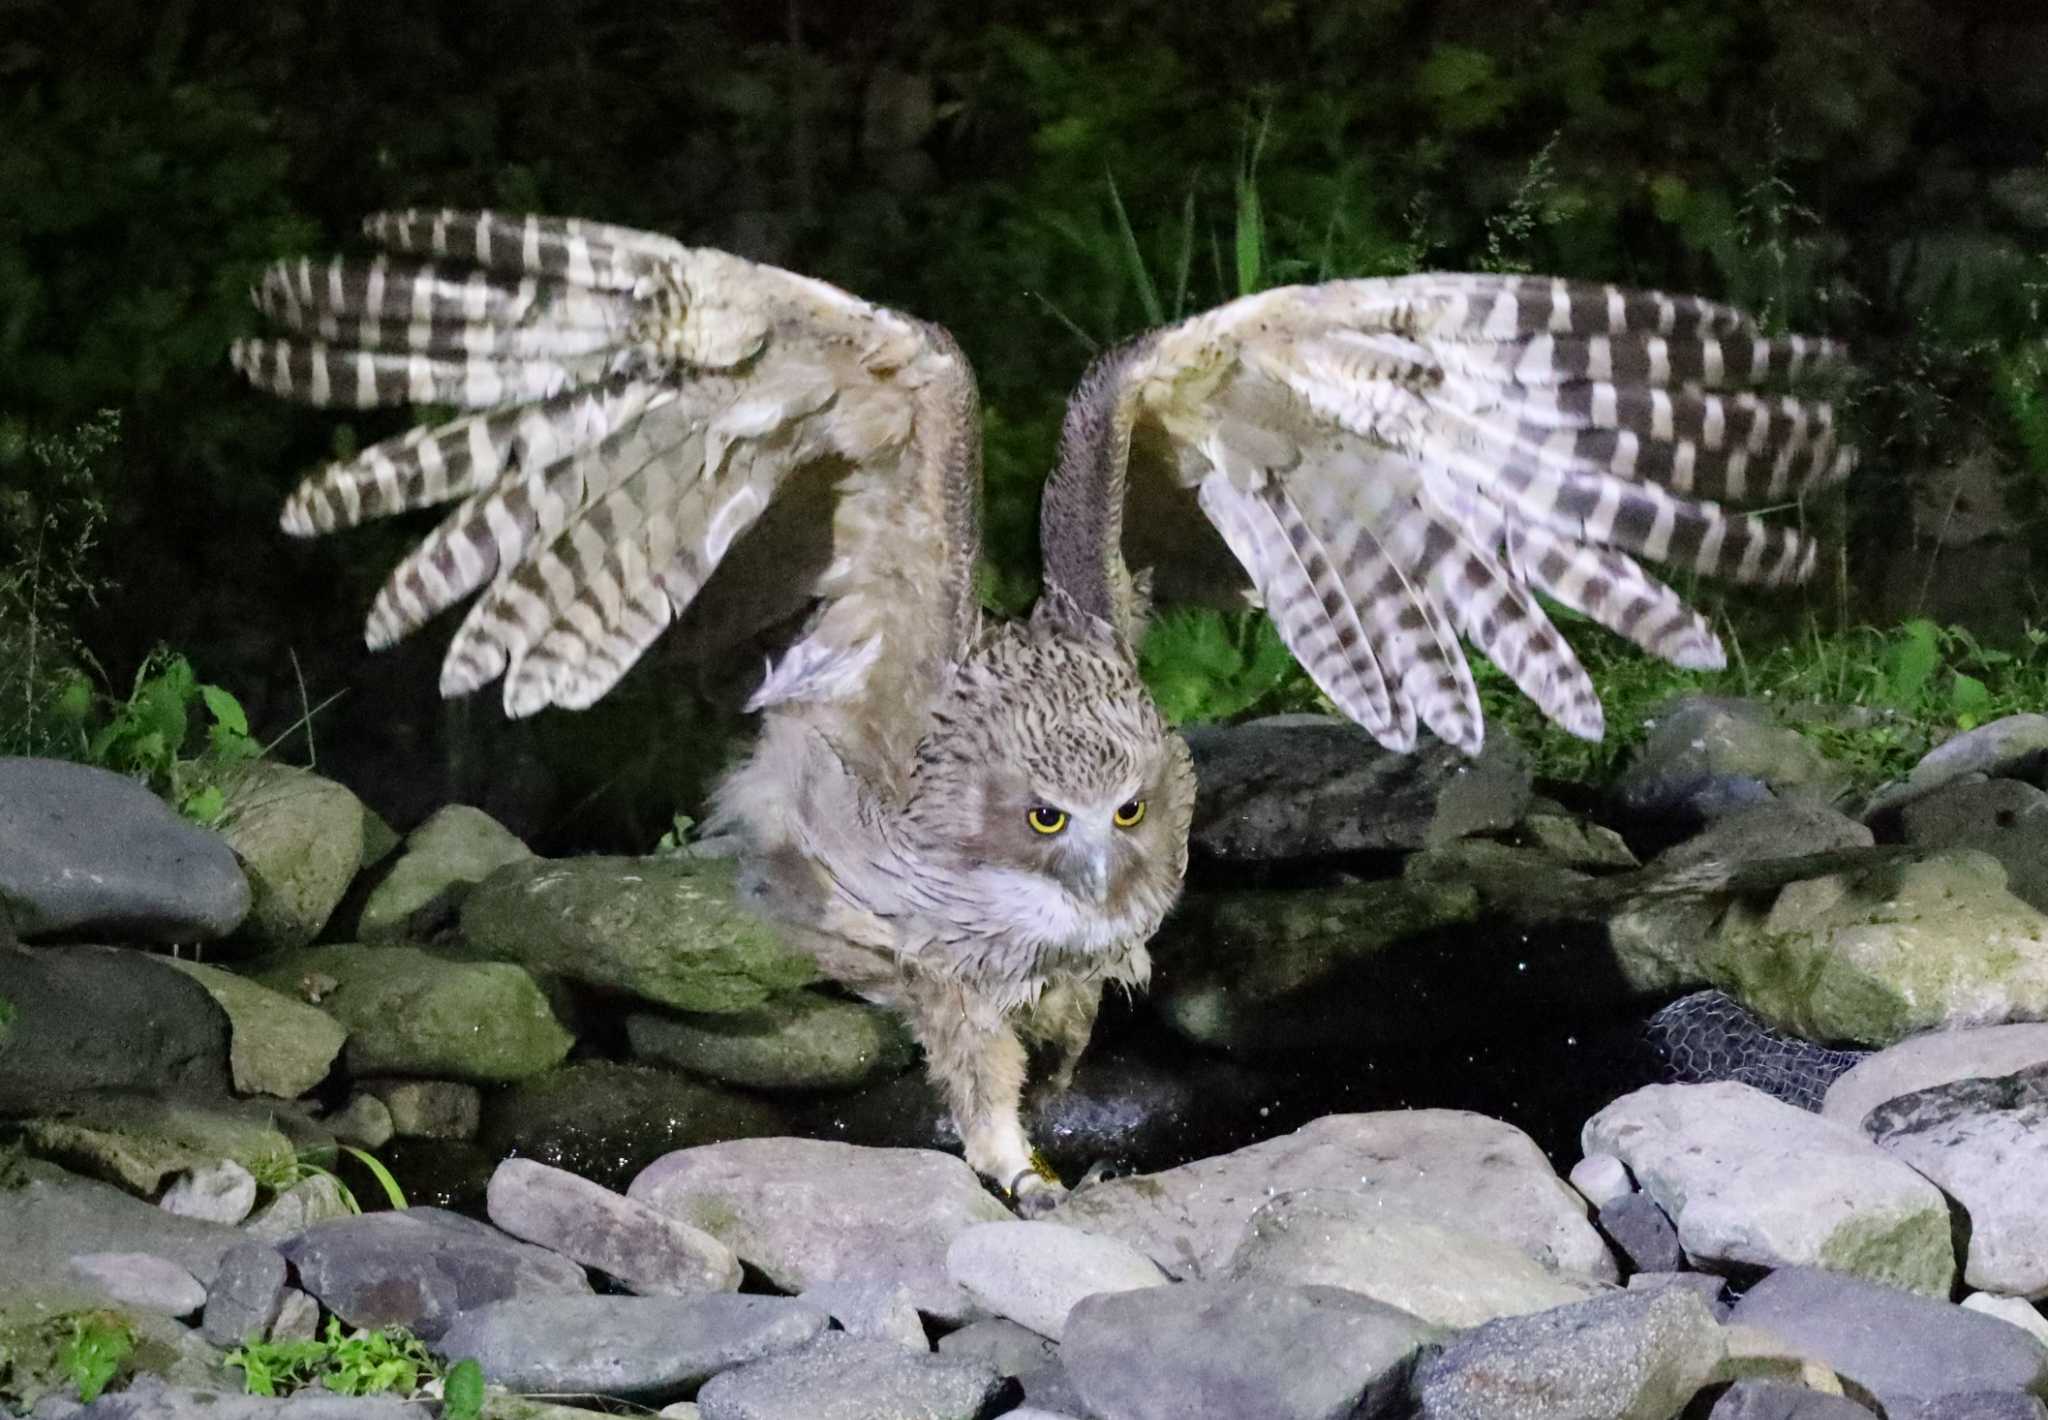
(1396, 463)
(639, 406)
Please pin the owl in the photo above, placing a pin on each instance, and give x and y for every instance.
(982, 822)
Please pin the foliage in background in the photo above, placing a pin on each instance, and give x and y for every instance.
(160, 736)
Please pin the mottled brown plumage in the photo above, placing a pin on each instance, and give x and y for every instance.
(983, 823)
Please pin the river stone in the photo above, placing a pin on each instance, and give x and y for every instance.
(1574, 841)
(1299, 786)
(1971, 1405)
(149, 1397)
(606, 1122)
(246, 1296)
(2015, 747)
(2022, 1314)
(429, 1109)
(1444, 1165)
(85, 850)
(881, 1311)
(1706, 755)
(1278, 970)
(1012, 1349)
(454, 849)
(1885, 952)
(313, 1199)
(805, 1211)
(1600, 1179)
(409, 1012)
(278, 1045)
(300, 840)
(649, 1349)
(220, 1193)
(801, 1041)
(1935, 1058)
(1642, 1233)
(1510, 881)
(1441, 1274)
(141, 1279)
(648, 1251)
(1753, 1182)
(419, 1267)
(1985, 1142)
(1893, 1343)
(2002, 817)
(148, 1027)
(140, 1140)
(1235, 1349)
(668, 930)
(1626, 1356)
(365, 1121)
(1034, 1273)
(841, 1377)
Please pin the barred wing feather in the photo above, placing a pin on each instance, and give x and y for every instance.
(1397, 463)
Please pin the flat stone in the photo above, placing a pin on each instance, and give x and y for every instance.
(1035, 1273)
(1627, 1356)
(421, 1267)
(38, 1322)
(1600, 1179)
(1753, 1182)
(409, 1012)
(140, 1140)
(1426, 1268)
(2002, 817)
(141, 1279)
(879, 1311)
(643, 1248)
(1012, 1349)
(1971, 1405)
(805, 1211)
(149, 1027)
(451, 851)
(300, 840)
(672, 931)
(148, 1398)
(841, 1377)
(246, 1295)
(1642, 1233)
(2022, 1314)
(1450, 1166)
(220, 1193)
(1934, 1059)
(801, 1041)
(1893, 1343)
(2015, 747)
(51, 1215)
(1228, 1350)
(85, 850)
(1985, 1142)
(1782, 1400)
(429, 1109)
(649, 1349)
(278, 1045)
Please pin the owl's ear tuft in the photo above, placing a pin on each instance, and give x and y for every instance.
(1056, 613)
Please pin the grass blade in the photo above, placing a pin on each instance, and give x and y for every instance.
(1134, 259)
(385, 1181)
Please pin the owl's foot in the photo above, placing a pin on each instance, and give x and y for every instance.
(1037, 1190)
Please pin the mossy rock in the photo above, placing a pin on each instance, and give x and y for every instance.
(278, 1045)
(802, 1041)
(667, 930)
(300, 840)
(37, 1324)
(454, 849)
(139, 1141)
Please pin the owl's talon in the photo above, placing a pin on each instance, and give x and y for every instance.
(1036, 1190)
(1101, 1171)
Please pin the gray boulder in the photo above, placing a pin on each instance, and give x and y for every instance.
(879, 1311)
(2015, 747)
(446, 855)
(648, 1251)
(841, 1377)
(1758, 1399)
(1035, 1273)
(300, 840)
(2003, 817)
(278, 1045)
(246, 1296)
(1707, 755)
(220, 1193)
(141, 1279)
(141, 1140)
(801, 1041)
(429, 1109)
(1934, 1058)
(148, 1027)
(49, 1216)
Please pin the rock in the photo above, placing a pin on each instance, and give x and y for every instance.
(246, 1295)
(364, 1122)
(1463, 1169)
(1236, 1349)
(140, 1279)
(1971, 1405)
(139, 1140)
(805, 1211)
(1265, 969)
(409, 1012)
(1935, 1058)
(1709, 1288)
(1628, 1356)
(606, 1122)
(1035, 1273)
(2002, 817)
(220, 1193)
(2024, 1315)
(298, 1317)
(1012, 1349)
(279, 1045)
(1523, 885)
(1642, 1233)
(300, 840)
(1709, 1037)
(429, 1109)
(841, 1377)
(149, 1398)
(649, 1349)
(2015, 747)
(1879, 954)
(1985, 1142)
(1600, 1179)
(1750, 1181)
(149, 1027)
(88, 851)
(1706, 755)
(420, 1267)
(1315, 786)
(668, 930)
(801, 1041)
(450, 852)
(880, 1311)
(1892, 1343)
(314, 1199)
(648, 1251)
(1440, 1274)
(1575, 842)
(1781, 1400)
(37, 1325)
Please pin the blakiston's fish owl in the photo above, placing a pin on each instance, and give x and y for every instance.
(982, 822)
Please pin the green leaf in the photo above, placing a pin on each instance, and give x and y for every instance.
(227, 711)
(462, 1391)
(205, 804)
(392, 1191)
(1969, 697)
(1910, 663)
(99, 1343)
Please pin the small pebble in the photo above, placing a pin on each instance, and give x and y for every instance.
(1601, 1179)
(219, 1193)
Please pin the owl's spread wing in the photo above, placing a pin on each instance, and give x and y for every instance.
(639, 406)
(1397, 463)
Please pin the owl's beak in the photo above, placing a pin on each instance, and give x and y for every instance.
(1087, 875)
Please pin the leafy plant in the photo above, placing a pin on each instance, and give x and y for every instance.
(462, 1391)
(315, 1163)
(1208, 666)
(100, 1342)
(148, 735)
(387, 1361)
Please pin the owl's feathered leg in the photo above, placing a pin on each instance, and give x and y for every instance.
(977, 1059)
(1062, 1022)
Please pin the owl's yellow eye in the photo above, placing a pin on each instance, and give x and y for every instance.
(1131, 814)
(1047, 820)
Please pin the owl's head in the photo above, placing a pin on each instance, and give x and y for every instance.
(1048, 764)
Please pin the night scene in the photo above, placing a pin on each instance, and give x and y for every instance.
(820, 711)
